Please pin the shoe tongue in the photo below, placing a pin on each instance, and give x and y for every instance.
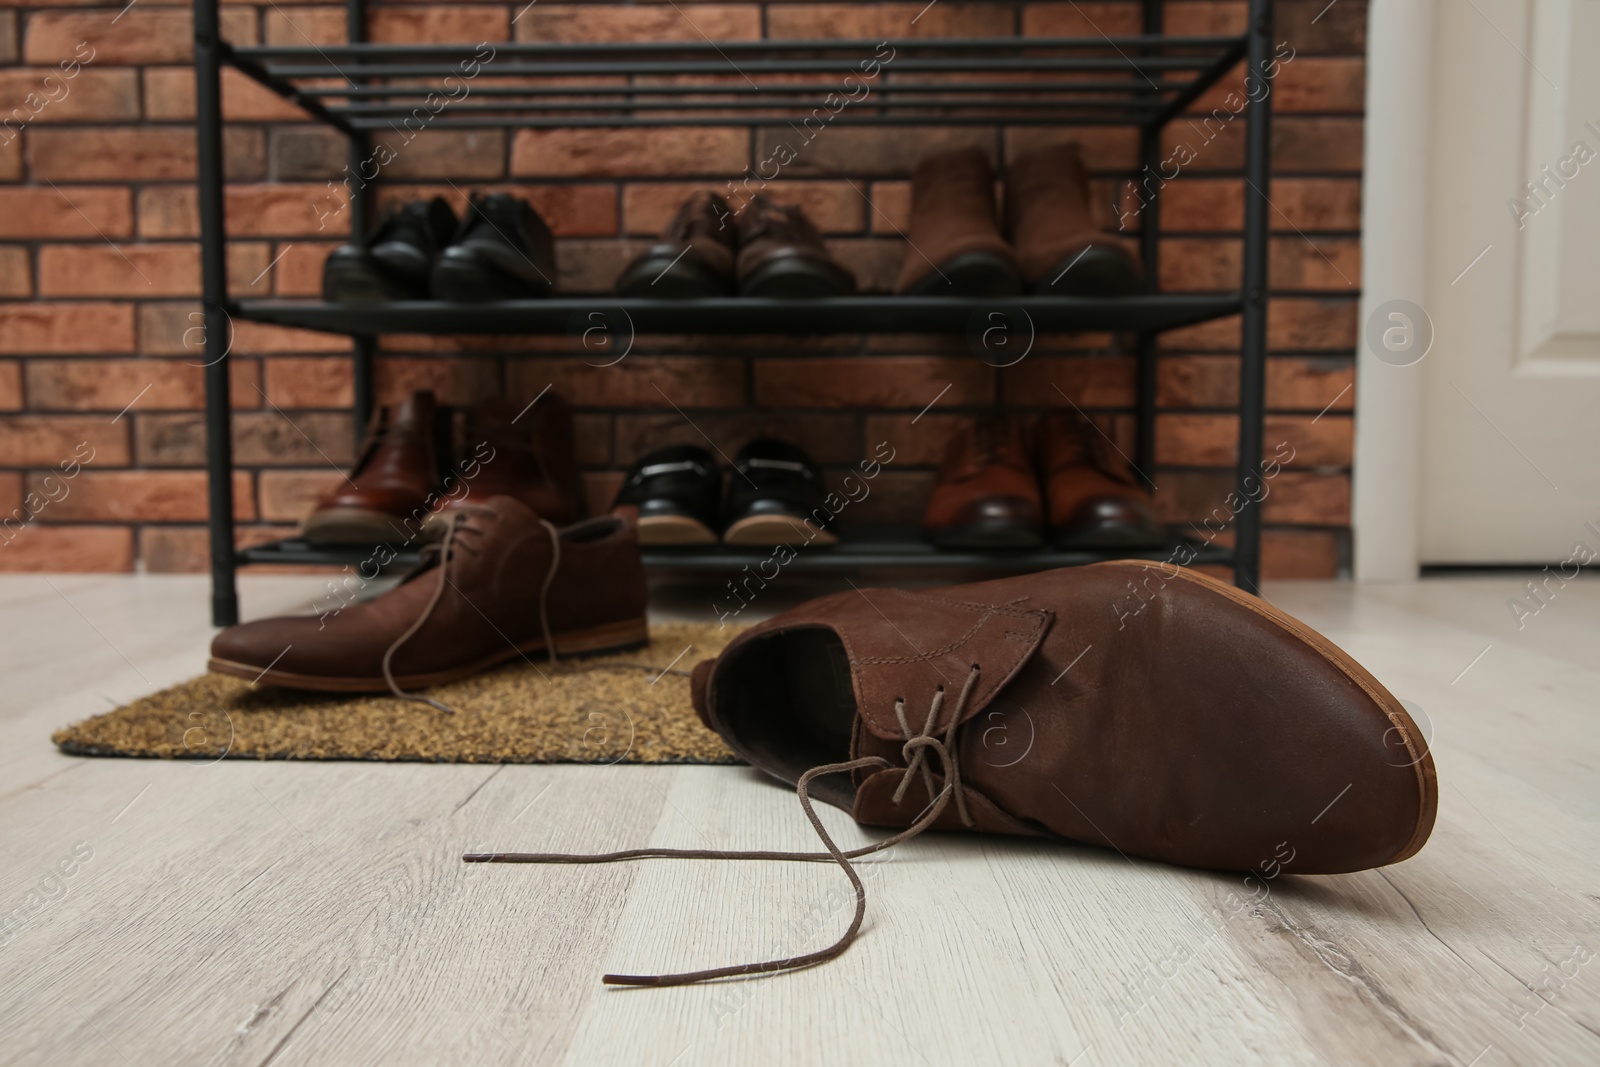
(905, 644)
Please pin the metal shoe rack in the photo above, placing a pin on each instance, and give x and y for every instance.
(1141, 81)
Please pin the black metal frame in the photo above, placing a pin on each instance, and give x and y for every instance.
(1035, 81)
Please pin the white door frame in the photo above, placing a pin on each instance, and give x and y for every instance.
(1394, 255)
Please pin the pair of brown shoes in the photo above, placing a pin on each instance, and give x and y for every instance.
(1138, 708)
(765, 249)
(421, 460)
(956, 248)
(1004, 484)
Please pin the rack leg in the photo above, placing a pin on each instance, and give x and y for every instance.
(361, 378)
(214, 291)
(1150, 253)
(1249, 483)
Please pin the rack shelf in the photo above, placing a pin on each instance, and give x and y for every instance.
(739, 315)
(368, 90)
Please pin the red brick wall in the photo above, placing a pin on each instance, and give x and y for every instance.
(99, 273)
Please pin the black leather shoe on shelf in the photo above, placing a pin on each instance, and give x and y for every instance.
(678, 491)
(776, 496)
(694, 257)
(501, 251)
(393, 263)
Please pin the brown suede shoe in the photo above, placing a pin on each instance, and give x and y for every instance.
(782, 255)
(527, 454)
(986, 494)
(503, 584)
(1137, 707)
(1093, 498)
(391, 491)
(954, 247)
(1059, 247)
(1142, 707)
(693, 259)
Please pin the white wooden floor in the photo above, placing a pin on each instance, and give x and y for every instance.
(254, 913)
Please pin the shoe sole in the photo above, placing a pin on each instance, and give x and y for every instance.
(1096, 272)
(976, 274)
(1400, 719)
(474, 279)
(772, 530)
(612, 637)
(990, 534)
(674, 530)
(346, 526)
(797, 278)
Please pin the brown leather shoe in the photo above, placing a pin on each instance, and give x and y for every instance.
(527, 454)
(503, 584)
(390, 492)
(1094, 500)
(954, 247)
(693, 259)
(1059, 247)
(986, 494)
(1137, 707)
(782, 255)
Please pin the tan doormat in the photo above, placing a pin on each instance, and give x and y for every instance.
(573, 712)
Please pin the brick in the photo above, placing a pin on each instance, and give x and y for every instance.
(144, 496)
(877, 22)
(1085, 19)
(1314, 28)
(833, 206)
(121, 270)
(139, 36)
(66, 211)
(40, 547)
(275, 210)
(144, 153)
(453, 381)
(11, 159)
(49, 440)
(260, 439)
(299, 153)
(459, 155)
(254, 338)
(666, 150)
(1212, 440)
(828, 439)
(1310, 83)
(169, 97)
(875, 382)
(1293, 323)
(299, 271)
(588, 266)
(1300, 263)
(1209, 17)
(875, 263)
(658, 382)
(1106, 149)
(1088, 383)
(1303, 498)
(309, 382)
(569, 210)
(301, 26)
(8, 37)
(829, 151)
(453, 22)
(916, 439)
(579, 23)
(1306, 205)
(10, 385)
(1300, 554)
(1293, 383)
(187, 549)
(29, 329)
(894, 496)
(134, 385)
(289, 496)
(47, 95)
(16, 273)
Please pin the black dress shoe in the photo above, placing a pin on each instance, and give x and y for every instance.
(502, 251)
(777, 497)
(393, 263)
(692, 260)
(678, 491)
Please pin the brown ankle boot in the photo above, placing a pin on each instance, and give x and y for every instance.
(955, 247)
(987, 494)
(1060, 249)
(694, 257)
(782, 255)
(521, 453)
(387, 496)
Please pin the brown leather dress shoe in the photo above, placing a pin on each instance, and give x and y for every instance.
(503, 584)
(1092, 496)
(527, 454)
(986, 494)
(1136, 707)
(954, 247)
(1060, 249)
(782, 255)
(694, 257)
(390, 493)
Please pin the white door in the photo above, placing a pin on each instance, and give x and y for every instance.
(1510, 407)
